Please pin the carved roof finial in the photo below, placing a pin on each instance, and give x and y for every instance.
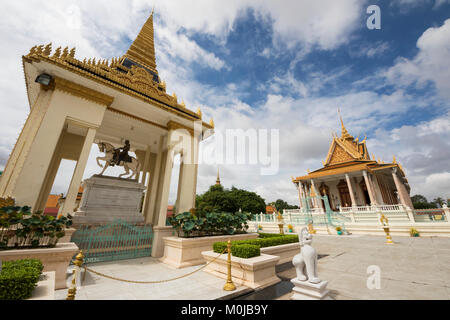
(344, 135)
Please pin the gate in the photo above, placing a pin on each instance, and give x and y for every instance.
(116, 241)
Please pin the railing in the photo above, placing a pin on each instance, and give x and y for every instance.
(397, 214)
(430, 215)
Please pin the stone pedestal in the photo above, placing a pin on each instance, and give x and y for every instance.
(106, 199)
(304, 290)
(159, 233)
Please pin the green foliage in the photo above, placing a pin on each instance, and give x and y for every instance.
(218, 199)
(30, 230)
(420, 202)
(19, 278)
(280, 205)
(209, 224)
(264, 240)
(414, 233)
(245, 251)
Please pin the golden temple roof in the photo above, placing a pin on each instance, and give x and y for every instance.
(347, 154)
(134, 73)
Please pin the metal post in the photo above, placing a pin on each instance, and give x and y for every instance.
(73, 287)
(384, 221)
(229, 286)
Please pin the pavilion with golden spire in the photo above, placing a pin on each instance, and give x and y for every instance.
(77, 102)
(350, 178)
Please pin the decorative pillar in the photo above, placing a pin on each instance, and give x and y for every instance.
(400, 188)
(317, 203)
(300, 193)
(446, 212)
(350, 189)
(373, 200)
(160, 229)
(69, 204)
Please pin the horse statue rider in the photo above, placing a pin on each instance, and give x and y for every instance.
(121, 154)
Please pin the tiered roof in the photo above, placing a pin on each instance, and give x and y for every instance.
(134, 73)
(347, 154)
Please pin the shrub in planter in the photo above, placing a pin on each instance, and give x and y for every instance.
(214, 223)
(19, 228)
(414, 233)
(19, 278)
(267, 240)
(245, 251)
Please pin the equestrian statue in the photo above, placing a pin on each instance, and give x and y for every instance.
(118, 157)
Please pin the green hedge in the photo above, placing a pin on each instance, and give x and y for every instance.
(19, 278)
(265, 240)
(245, 251)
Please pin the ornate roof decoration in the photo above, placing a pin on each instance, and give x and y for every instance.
(142, 50)
(135, 73)
(218, 177)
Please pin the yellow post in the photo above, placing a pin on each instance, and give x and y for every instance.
(73, 287)
(385, 222)
(229, 286)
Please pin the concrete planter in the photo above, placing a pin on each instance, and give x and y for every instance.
(54, 259)
(186, 252)
(45, 289)
(257, 272)
(286, 252)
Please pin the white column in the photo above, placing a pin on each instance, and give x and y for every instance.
(300, 194)
(399, 185)
(373, 201)
(350, 189)
(69, 204)
(165, 188)
(446, 212)
(313, 186)
(145, 165)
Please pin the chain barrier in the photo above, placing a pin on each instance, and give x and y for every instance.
(152, 282)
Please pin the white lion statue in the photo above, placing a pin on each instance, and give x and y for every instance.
(306, 260)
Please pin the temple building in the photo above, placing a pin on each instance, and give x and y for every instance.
(351, 178)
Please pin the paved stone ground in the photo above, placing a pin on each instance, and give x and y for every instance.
(199, 286)
(412, 268)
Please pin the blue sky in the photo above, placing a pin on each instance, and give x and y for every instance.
(285, 65)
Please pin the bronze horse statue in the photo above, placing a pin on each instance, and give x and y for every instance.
(109, 151)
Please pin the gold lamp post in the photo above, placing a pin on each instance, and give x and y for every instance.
(385, 223)
(229, 286)
(280, 223)
(73, 287)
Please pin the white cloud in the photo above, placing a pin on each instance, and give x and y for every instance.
(432, 62)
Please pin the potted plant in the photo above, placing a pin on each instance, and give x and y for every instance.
(290, 228)
(260, 227)
(339, 230)
(414, 233)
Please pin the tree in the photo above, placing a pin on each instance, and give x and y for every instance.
(420, 202)
(280, 205)
(218, 199)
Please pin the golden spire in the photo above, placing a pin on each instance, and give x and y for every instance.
(218, 177)
(345, 135)
(142, 50)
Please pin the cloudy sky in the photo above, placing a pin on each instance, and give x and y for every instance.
(260, 64)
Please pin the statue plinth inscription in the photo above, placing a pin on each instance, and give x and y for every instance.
(106, 199)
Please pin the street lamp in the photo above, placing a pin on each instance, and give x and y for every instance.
(44, 79)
